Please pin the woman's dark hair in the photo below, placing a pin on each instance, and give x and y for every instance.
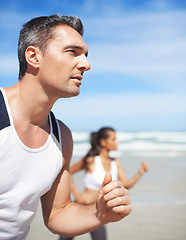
(39, 31)
(95, 139)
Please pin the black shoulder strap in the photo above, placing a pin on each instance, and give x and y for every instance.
(4, 118)
(54, 126)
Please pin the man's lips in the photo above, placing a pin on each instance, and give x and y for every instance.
(78, 77)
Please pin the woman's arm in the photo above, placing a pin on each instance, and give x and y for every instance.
(76, 167)
(128, 183)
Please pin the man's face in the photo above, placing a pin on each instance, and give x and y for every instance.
(63, 63)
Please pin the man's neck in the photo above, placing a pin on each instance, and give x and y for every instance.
(29, 102)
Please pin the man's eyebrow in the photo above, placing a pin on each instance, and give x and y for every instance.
(77, 47)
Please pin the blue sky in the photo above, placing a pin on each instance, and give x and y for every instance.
(137, 50)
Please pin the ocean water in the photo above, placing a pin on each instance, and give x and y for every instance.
(164, 152)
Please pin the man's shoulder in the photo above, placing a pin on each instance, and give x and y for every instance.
(64, 128)
(66, 141)
(4, 118)
(66, 135)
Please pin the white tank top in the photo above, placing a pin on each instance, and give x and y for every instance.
(95, 179)
(25, 174)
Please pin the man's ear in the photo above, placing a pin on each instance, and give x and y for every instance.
(33, 56)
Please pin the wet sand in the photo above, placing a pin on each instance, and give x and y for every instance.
(164, 222)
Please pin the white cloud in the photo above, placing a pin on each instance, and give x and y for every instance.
(133, 112)
(106, 105)
(155, 57)
(143, 45)
(137, 25)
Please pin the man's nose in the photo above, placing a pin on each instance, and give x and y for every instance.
(84, 63)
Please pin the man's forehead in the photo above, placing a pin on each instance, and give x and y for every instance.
(64, 31)
(69, 36)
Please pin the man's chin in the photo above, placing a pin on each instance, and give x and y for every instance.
(72, 94)
(76, 94)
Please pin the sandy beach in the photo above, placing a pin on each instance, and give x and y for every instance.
(166, 222)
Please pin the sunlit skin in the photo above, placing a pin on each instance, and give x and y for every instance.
(61, 79)
(108, 144)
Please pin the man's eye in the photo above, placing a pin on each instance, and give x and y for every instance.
(72, 51)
